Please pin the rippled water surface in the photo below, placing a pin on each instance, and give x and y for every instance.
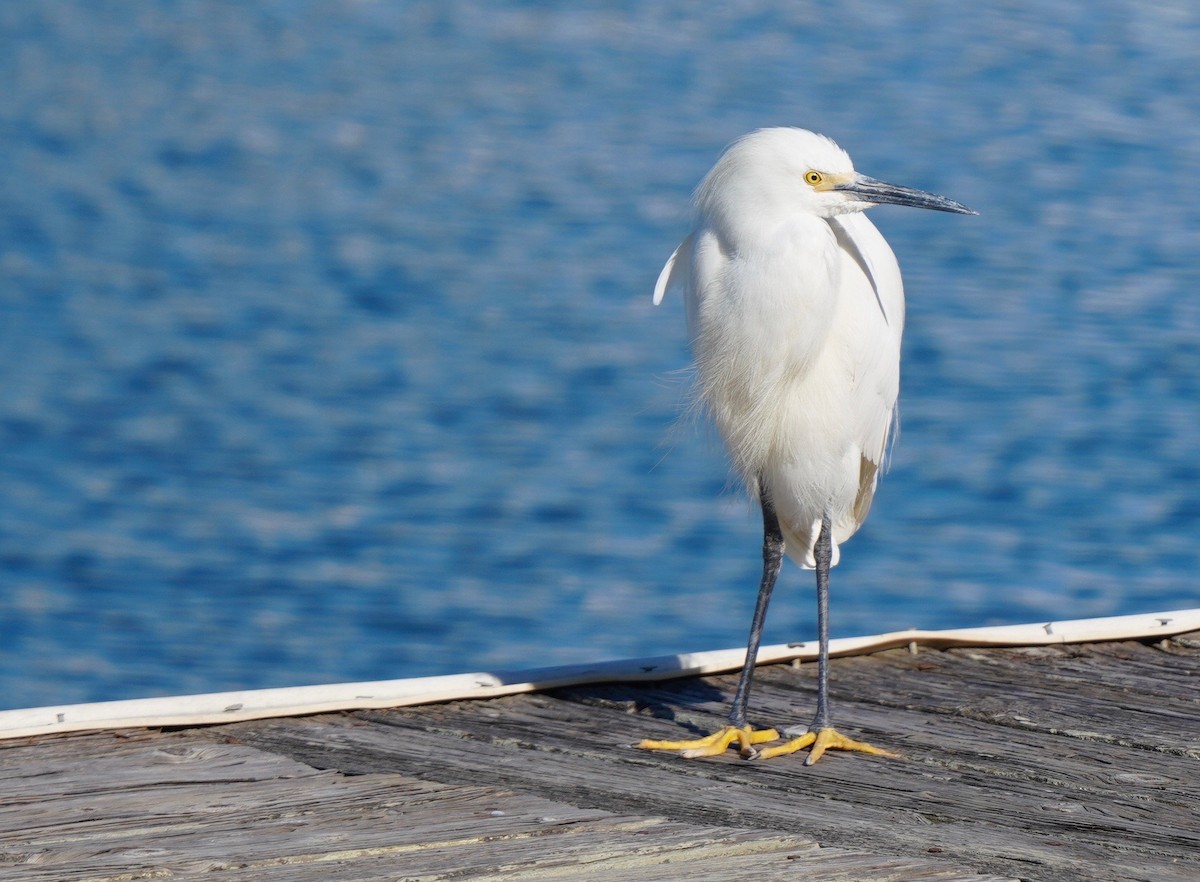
(327, 352)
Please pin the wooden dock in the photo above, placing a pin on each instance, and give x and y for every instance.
(1052, 763)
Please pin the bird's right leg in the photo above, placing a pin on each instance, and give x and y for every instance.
(821, 736)
(738, 729)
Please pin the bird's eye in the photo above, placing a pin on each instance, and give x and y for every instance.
(813, 178)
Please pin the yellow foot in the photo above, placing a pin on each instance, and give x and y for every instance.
(821, 741)
(717, 742)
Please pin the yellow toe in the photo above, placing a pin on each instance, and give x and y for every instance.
(820, 741)
(717, 742)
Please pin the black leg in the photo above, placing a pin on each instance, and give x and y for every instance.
(820, 736)
(772, 560)
(824, 556)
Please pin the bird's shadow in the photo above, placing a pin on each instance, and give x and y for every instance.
(688, 702)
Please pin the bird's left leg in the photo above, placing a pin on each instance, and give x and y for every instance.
(739, 730)
(821, 735)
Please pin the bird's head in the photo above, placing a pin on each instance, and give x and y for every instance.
(789, 170)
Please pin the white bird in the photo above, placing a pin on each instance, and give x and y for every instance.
(795, 309)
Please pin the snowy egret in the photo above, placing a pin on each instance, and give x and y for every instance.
(795, 310)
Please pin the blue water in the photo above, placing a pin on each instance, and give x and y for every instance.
(327, 352)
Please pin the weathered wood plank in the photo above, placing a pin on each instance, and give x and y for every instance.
(1064, 763)
(1051, 764)
(189, 808)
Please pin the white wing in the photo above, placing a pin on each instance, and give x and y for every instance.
(837, 414)
(860, 239)
(675, 271)
(878, 353)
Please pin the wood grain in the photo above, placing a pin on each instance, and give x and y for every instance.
(1059, 763)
